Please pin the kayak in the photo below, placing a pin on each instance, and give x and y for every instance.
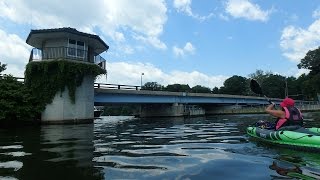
(301, 138)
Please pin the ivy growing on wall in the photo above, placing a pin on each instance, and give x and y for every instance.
(46, 78)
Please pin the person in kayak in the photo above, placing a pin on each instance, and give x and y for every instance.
(289, 115)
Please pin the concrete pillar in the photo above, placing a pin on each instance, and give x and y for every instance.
(162, 110)
(63, 111)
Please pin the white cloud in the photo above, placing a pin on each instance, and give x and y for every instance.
(300, 72)
(153, 41)
(184, 6)
(187, 49)
(296, 42)
(246, 9)
(143, 17)
(196, 78)
(294, 71)
(14, 52)
(316, 13)
(130, 74)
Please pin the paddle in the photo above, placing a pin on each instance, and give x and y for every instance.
(255, 87)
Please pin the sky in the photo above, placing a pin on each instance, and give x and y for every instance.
(201, 42)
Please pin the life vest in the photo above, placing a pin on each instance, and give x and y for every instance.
(293, 117)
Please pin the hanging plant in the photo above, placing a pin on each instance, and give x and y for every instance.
(46, 78)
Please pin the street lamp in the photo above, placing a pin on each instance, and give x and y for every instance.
(141, 78)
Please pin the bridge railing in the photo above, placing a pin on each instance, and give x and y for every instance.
(18, 78)
(115, 86)
(50, 53)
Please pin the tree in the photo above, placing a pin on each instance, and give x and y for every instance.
(178, 88)
(311, 61)
(2, 67)
(274, 86)
(259, 75)
(293, 86)
(16, 101)
(200, 89)
(215, 90)
(236, 85)
(152, 86)
(311, 86)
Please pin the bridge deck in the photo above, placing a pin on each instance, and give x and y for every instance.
(106, 96)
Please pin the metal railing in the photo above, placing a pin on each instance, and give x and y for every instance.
(17, 78)
(51, 53)
(115, 86)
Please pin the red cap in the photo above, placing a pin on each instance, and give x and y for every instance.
(287, 102)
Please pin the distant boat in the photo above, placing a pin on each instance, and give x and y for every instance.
(97, 111)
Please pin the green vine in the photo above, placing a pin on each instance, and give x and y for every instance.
(46, 78)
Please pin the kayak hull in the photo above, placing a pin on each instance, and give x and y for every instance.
(303, 138)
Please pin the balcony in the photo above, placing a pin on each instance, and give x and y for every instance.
(54, 53)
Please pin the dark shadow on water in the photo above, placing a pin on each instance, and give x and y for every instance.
(50, 152)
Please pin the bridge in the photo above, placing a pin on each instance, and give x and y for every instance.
(163, 103)
(104, 95)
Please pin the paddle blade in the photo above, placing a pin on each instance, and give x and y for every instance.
(255, 87)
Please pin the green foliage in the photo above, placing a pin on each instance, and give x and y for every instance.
(274, 86)
(311, 86)
(236, 85)
(178, 88)
(152, 86)
(46, 78)
(200, 89)
(16, 101)
(215, 90)
(2, 67)
(311, 61)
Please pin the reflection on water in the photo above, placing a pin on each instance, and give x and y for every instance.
(48, 152)
(165, 148)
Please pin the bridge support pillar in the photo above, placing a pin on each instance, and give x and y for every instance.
(162, 110)
(170, 110)
(63, 111)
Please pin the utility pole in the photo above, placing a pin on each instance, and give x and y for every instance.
(141, 79)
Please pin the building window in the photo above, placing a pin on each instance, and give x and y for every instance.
(76, 48)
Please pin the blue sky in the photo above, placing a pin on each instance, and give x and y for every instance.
(199, 42)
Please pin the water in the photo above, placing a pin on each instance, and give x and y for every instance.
(168, 148)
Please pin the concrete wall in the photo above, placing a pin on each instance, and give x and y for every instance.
(162, 110)
(170, 110)
(61, 110)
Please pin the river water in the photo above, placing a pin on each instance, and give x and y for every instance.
(118, 147)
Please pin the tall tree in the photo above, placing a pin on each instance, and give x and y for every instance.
(178, 88)
(200, 89)
(215, 90)
(236, 85)
(311, 61)
(274, 86)
(152, 86)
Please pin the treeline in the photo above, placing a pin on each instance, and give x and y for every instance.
(305, 87)
(17, 102)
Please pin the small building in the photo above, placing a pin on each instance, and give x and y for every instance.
(68, 44)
